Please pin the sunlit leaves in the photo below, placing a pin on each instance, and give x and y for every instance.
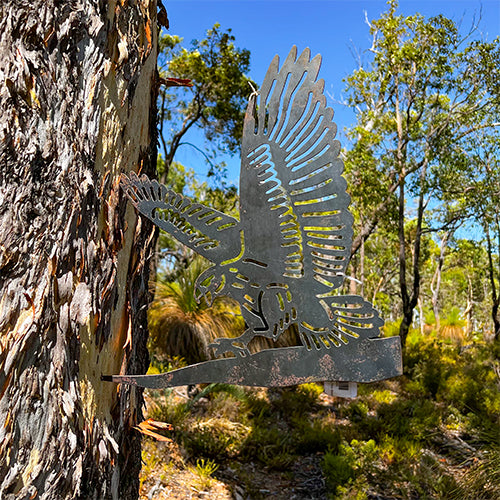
(216, 101)
(425, 90)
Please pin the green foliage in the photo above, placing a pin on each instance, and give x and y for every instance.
(473, 390)
(209, 441)
(159, 364)
(295, 401)
(466, 380)
(399, 438)
(338, 471)
(420, 100)
(357, 411)
(391, 328)
(452, 327)
(428, 363)
(481, 201)
(465, 282)
(166, 409)
(314, 437)
(384, 396)
(409, 418)
(482, 481)
(217, 99)
(270, 446)
(180, 326)
(354, 461)
(204, 469)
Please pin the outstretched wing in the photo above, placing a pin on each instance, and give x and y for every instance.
(207, 231)
(292, 195)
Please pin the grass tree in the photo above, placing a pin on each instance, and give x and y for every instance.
(181, 326)
(452, 326)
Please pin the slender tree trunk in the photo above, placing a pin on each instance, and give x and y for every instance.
(410, 300)
(353, 287)
(403, 284)
(469, 309)
(495, 297)
(436, 279)
(362, 268)
(77, 108)
(421, 315)
(376, 290)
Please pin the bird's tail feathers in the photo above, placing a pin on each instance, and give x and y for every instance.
(351, 317)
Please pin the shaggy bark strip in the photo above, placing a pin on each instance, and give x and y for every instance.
(77, 108)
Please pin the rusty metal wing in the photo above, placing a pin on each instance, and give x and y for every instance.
(210, 233)
(293, 197)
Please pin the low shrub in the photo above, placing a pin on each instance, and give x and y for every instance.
(270, 446)
(338, 471)
(315, 437)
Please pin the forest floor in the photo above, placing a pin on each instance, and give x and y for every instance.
(433, 433)
(170, 477)
(232, 481)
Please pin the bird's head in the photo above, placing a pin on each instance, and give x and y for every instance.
(209, 285)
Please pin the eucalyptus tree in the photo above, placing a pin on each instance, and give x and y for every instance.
(375, 272)
(465, 282)
(425, 87)
(77, 102)
(216, 100)
(480, 182)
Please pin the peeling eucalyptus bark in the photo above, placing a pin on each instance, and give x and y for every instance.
(77, 108)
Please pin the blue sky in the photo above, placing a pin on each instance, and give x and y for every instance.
(334, 28)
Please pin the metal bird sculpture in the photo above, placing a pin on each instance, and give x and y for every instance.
(285, 259)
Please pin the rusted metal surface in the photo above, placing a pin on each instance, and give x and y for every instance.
(285, 259)
(363, 361)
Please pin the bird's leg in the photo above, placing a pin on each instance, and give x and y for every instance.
(237, 345)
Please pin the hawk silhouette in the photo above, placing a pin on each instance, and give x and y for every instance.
(285, 259)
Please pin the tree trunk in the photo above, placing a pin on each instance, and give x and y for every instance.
(469, 309)
(495, 296)
(410, 300)
(405, 325)
(77, 108)
(421, 315)
(436, 279)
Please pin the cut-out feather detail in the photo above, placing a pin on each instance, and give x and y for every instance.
(287, 255)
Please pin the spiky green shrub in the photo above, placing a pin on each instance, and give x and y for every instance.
(180, 326)
(269, 446)
(452, 327)
(338, 471)
(427, 364)
(315, 437)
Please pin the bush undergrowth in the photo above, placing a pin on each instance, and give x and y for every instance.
(405, 437)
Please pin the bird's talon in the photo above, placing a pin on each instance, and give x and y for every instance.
(225, 345)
